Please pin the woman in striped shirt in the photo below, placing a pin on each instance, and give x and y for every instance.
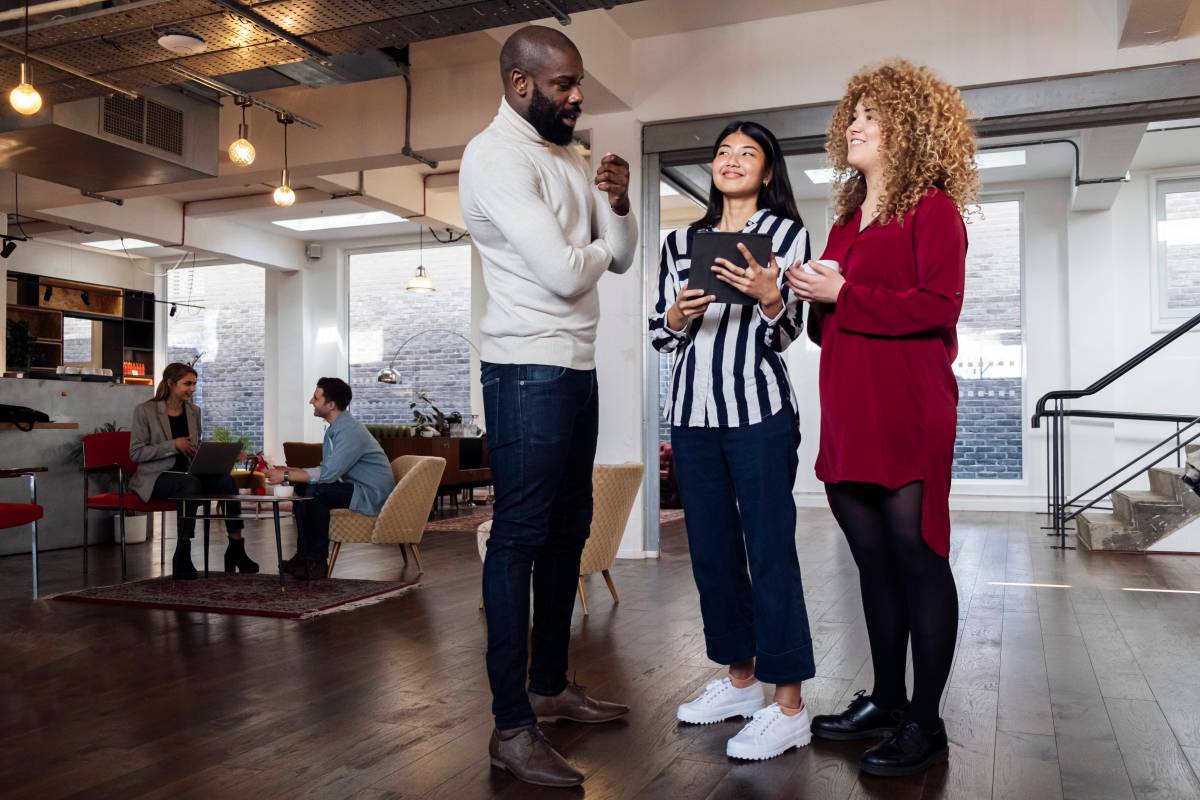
(734, 434)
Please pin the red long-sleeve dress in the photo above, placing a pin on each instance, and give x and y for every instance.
(889, 398)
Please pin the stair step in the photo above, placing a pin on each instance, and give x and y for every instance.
(1100, 530)
(1165, 481)
(1127, 503)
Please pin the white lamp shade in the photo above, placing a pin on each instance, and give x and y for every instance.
(420, 283)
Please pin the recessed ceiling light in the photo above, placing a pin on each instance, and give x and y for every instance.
(666, 190)
(1000, 158)
(339, 221)
(819, 175)
(121, 244)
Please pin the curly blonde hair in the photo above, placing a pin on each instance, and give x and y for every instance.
(927, 141)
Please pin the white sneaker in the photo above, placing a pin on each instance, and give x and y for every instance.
(770, 733)
(722, 700)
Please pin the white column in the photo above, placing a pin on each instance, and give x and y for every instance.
(620, 338)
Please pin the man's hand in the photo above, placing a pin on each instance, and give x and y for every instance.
(613, 178)
(275, 476)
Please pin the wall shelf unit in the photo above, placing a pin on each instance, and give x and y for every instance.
(126, 318)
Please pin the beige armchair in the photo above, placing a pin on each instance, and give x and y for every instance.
(614, 488)
(403, 516)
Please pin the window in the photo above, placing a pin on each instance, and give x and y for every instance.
(1177, 237)
(226, 334)
(990, 365)
(77, 341)
(383, 316)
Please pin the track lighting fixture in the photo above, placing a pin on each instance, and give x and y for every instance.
(46, 294)
(174, 308)
(85, 297)
(7, 249)
(241, 151)
(24, 98)
(284, 196)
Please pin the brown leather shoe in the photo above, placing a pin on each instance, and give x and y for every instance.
(571, 703)
(315, 571)
(530, 757)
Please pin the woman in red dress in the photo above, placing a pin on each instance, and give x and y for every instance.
(885, 322)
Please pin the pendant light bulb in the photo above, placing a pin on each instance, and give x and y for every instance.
(24, 98)
(241, 151)
(420, 283)
(284, 196)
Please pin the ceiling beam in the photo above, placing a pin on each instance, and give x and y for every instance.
(1150, 22)
(1105, 157)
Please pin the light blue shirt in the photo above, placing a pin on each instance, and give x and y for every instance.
(351, 454)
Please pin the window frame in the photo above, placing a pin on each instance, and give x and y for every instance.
(1163, 319)
(1018, 196)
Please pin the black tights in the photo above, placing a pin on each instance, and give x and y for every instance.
(906, 588)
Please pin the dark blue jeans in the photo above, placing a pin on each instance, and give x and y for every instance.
(736, 486)
(170, 485)
(312, 518)
(542, 423)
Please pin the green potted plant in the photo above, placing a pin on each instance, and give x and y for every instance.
(18, 343)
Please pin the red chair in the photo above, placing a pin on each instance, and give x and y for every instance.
(16, 515)
(109, 453)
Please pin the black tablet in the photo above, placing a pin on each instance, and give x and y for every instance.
(708, 246)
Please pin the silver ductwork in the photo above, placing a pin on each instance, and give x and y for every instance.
(102, 144)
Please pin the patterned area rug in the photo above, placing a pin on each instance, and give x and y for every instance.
(467, 523)
(252, 595)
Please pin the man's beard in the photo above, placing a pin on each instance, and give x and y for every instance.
(546, 119)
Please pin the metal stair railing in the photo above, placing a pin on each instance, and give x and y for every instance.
(1057, 504)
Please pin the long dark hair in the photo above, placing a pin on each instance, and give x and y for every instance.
(172, 375)
(776, 196)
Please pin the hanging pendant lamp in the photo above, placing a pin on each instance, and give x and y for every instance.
(241, 151)
(284, 196)
(24, 98)
(420, 283)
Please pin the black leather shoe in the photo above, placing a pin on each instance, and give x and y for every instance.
(182, 568)
(862, 720)
(311, 571)
(236, 559)
(909, 750)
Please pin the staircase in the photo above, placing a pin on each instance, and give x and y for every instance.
(1139, 519)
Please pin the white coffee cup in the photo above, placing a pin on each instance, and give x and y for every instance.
(284, 491)
(828, 263)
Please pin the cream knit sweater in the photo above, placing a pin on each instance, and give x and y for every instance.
(545, 235)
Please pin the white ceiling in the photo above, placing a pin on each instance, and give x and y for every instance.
(659, 17)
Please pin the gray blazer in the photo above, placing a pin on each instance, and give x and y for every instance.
(151, 445)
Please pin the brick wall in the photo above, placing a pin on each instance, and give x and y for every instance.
(383, 315)
(989, 440)
(229, 332)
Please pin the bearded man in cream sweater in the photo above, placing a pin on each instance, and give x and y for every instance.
(547, 229)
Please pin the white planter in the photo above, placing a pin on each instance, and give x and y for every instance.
(135, 529)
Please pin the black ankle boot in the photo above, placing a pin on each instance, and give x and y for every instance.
(182, 568)
(909, 750)
(236, 559)
(862, 720)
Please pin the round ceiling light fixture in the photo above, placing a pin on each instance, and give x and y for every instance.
(182, 43)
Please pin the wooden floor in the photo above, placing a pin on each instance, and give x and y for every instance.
(1077, 690)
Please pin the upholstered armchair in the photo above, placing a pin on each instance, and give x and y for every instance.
(614, 488)
(402, 519)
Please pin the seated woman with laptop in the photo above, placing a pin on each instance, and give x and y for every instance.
(165, 441)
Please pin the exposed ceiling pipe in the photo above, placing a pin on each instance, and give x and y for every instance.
(46, 8)
(230, 91)
(67, 68)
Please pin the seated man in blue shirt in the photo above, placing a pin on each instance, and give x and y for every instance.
(354, 474)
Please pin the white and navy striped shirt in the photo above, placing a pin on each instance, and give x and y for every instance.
(728, 371)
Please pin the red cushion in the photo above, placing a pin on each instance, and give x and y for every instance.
(13, 515)
(132, 502)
